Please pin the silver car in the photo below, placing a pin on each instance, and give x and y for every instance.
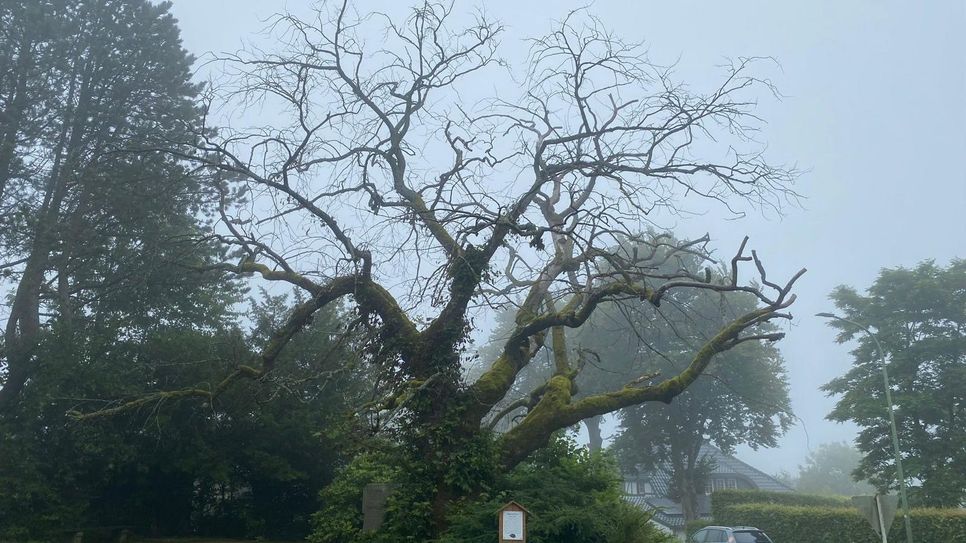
(729, 534)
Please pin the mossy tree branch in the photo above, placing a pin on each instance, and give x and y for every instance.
(368, 294)
(555, 409)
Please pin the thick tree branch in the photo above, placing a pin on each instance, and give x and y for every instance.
(555, 409)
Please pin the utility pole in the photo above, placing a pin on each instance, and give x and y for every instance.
(892, 418)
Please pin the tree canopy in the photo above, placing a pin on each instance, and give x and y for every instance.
(919, 317)
(110, 294)
(829, 469)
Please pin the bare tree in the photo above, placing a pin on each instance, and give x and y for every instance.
(387, 188)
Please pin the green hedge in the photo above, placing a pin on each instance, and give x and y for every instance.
(813, 524)
(727, 498)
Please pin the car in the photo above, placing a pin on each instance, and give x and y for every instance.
(729, 534)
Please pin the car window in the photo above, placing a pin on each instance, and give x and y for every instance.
(699, 536)
(716, 536)
(751, 536)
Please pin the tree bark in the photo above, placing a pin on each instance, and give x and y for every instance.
(22, 330)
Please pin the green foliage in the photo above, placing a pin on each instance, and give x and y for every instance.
(726, 498)
(249, 465)
(828, 471)
(742, 397)
(919, 316)
(815, 524)
(808, 518)
(573, 495)
(340, 518)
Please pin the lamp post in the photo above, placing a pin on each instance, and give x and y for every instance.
(892, 417)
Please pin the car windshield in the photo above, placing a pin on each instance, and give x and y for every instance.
(751, 536)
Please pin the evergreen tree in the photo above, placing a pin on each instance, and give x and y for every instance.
(94, 223)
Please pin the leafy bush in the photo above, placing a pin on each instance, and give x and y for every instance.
(726, 498)
(340, 519)
(814, 524)
(810, 518)
(572, 496)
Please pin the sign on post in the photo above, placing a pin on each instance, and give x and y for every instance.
(513, 523)
(879, 510)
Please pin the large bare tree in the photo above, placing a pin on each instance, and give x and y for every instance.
(385, 180)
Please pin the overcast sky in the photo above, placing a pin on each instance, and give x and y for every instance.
(874, 109)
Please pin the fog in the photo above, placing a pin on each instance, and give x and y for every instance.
(872, 110)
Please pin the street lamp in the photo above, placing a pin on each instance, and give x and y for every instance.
(892, 417)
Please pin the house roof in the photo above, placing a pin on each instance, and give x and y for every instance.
(724, 464)
(668, 512)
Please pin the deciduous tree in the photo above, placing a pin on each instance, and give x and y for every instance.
(829, 470)
(379, 185)
(919, 317)
(742, 397)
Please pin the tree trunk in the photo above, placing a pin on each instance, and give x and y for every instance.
(22, 331)
(689, 494)
(684, 485)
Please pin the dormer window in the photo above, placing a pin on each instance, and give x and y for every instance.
(720, 483)
(638, 488)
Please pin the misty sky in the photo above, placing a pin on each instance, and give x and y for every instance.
(874, 110)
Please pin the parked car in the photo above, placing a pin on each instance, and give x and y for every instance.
(729, 534)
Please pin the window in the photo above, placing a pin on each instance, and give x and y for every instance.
(648, 489)
(719, 484)
(717, 536)
(751, 537)
(630, 487)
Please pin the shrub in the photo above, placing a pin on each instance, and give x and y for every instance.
(815, 524)
(572, 495)
(727, 498)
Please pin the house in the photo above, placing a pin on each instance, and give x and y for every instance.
(649, 490)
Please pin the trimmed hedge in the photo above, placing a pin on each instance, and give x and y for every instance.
(727, 498)
(841, 525)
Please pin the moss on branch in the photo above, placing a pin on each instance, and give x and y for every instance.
(555, 410)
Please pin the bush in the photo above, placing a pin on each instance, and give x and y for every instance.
(815, 524)
(340, 519)
(727, 498)
(572, 495)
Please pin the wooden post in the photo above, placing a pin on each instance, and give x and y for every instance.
(513, 523)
